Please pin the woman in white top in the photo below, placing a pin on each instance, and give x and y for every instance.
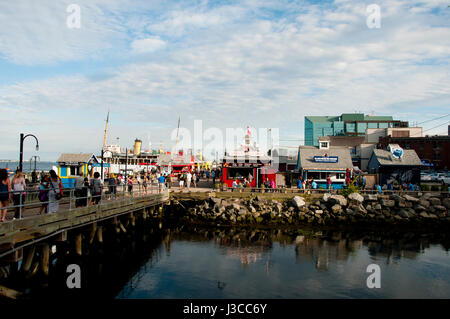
(18, 186)
(54, 193)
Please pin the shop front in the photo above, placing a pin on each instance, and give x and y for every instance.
(319, 164)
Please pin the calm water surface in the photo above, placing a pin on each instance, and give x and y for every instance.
(214, 263)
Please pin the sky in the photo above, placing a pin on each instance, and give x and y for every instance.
(230, 64)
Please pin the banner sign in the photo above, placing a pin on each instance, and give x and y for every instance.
(100, 165)
(323, 159)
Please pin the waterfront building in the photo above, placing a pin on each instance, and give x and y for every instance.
(318, 163)
(247, 160)
(70, 165)
(176, 163)
(434, 151)
(353, 124)
(395, 164)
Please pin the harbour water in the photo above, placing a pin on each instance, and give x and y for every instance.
(29, 167)
(208, 263)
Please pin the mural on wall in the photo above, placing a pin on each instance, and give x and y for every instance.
(401, 176)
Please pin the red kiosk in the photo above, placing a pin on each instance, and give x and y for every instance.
(247, 162)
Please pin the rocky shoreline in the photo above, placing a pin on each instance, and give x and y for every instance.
(427, 209)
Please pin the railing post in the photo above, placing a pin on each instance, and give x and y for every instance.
(70, 199)
(20, 204)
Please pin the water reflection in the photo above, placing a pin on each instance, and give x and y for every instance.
(196, 262)
(295, 263)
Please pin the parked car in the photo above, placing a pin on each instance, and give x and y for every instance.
(441, 177)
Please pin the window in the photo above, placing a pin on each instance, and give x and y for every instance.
(73, 170)
(399, 133)
(239, 172)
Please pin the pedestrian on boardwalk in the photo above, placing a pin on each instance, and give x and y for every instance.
(161, 181)
(188, 180)
(43, 193)
(55, 192)
(168, 180)
(5, 193)
(96, 188)
(329, 183)
(130, 185)
(181, 180)
(19, 187)
(112, 185)
(194, 179)
(144, 185)
(79, 184)
(213, 175)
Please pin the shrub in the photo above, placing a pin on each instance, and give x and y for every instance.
(435, 188)
(351, 188)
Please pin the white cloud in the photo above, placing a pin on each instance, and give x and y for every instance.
(147, 45)
(232, 66)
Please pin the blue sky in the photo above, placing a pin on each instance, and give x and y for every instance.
(228, 63)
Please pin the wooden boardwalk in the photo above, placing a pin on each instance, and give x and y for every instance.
(15, 234)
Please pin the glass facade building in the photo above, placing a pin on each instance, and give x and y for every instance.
(353, 124)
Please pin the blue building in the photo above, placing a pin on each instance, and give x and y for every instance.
(70, 166)
(353, 124)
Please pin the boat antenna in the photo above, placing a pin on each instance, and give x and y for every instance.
(106, 131)
(178, 128)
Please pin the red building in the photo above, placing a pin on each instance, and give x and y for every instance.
(247, 161)
(430, 149)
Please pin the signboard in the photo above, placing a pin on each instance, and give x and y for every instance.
(100, 165)
(325, 159)
(397, 151)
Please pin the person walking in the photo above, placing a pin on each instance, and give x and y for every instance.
(55, 192)
(144, 185)
(112, 185)
(19, 187)
(130, 185)
(5, 193)
(329, 183)
(43, 193)
(79, 184)
(213, 175)
(188, 180)
(168, 180)
(161, 181)
(96, 188)
(181, 180)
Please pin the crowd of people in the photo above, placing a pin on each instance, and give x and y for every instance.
(15, 189)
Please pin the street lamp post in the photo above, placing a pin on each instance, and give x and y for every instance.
(22, 138)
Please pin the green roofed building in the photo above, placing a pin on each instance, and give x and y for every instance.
(347, 124)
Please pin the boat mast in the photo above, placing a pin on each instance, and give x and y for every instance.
(106, 131)
(178, 128)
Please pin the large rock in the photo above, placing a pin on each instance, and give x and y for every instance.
(424, 203)
(326, 197)
(424, 215)
(446, 202)
(338, 199)
(435, 201)
(388, 202)
(403, 213)
(298, 201)
(356, 197)
(411, 198)
(370, 197)
(336, 208)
